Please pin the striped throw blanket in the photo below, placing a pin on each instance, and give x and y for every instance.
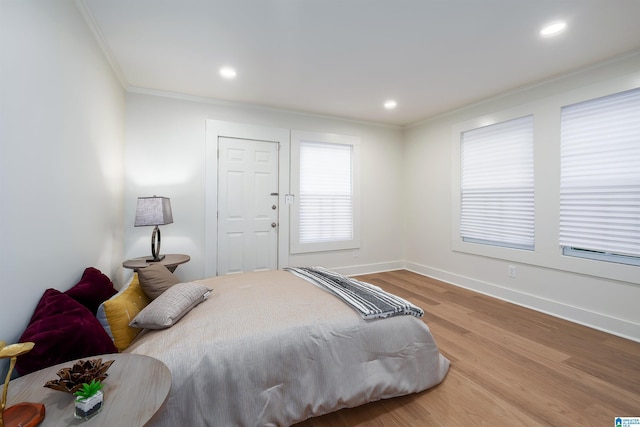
(370, 301)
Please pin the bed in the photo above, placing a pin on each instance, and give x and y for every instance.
(271, 349)
(252, 349)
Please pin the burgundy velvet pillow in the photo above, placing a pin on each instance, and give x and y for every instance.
(62, 330)
(93, 289)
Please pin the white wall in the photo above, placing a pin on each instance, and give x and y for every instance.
(165, 155)
(61, 156)
(603, 295)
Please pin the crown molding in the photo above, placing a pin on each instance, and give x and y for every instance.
(102, 41)
(246, 105)
(622, 60)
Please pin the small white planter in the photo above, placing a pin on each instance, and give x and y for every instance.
(87, 408)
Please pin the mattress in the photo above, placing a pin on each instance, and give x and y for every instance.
(270, 349)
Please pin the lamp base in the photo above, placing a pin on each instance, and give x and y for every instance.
(24, 415)
(155, 259)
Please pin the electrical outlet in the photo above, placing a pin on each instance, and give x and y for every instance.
(511, 271)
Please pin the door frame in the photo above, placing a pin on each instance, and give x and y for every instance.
(215, 129)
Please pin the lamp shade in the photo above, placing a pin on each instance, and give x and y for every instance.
(153, 211)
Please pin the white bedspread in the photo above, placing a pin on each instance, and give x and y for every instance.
(270, 349)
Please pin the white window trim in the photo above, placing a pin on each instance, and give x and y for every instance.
(547, 253)
(486, 230)
(354, 141)
(586, 198)
(469, 246)
(600, 256)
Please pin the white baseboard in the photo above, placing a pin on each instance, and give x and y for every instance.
(578, 315)
(354, 270)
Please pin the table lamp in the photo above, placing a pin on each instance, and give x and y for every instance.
(21, 414)
(154, 211)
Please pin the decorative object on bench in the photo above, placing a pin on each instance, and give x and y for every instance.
(89, 399)
(154, 211)
(73, 379)
(21, 414)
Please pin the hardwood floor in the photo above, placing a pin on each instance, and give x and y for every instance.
(509, 366)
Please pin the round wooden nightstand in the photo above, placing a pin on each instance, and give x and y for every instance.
(171, 261)
(135, 389)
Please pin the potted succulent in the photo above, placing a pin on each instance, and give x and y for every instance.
(89, 399)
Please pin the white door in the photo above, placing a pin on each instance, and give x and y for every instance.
(247, 205)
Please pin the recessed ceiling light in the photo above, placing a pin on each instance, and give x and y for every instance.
(228, 72)
(553, 29)
(390, 104)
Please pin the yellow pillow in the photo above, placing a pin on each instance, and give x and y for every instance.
(120, 311)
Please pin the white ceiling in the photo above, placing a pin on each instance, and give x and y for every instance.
(346, 57)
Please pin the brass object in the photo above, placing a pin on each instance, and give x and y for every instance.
(12, 351)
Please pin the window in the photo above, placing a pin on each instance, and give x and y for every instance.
(326, 186)
(497, 184)
(600, 178)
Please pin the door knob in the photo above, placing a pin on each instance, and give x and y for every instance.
(274, 225)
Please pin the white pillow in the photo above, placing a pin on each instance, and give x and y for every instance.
(164, 311)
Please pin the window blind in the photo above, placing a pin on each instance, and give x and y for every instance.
(600, 175)
(497, 184)
(326, 192)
